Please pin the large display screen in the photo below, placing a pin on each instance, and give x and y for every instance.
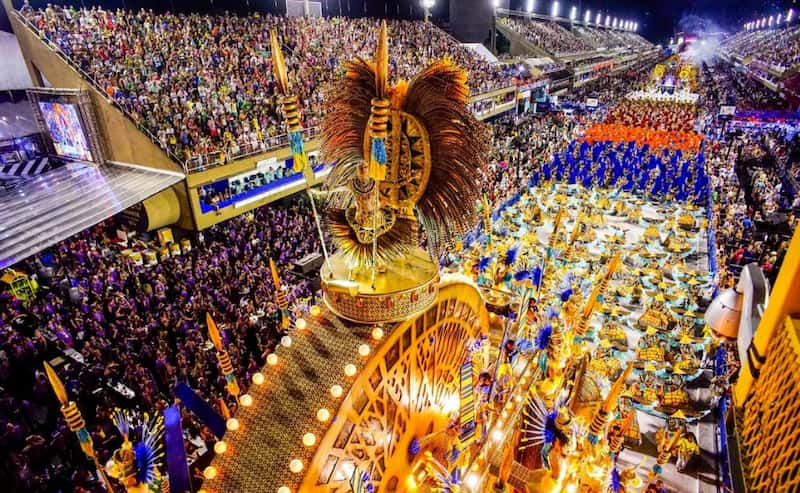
(66, 130)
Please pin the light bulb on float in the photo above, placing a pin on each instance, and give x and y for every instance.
(363, 350)
(258, 378)
(272, 359)
(246, 400)
(309, 439)
(220, 447)
(336, 391)
(350, 369)
(554, 11)
(377, 333)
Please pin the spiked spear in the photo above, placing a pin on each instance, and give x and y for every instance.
(609, 405)
(223, 359)
(291, 113)
(75, 422)
(280, 297)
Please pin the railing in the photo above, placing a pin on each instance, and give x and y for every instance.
(213, 159)
(58, 51)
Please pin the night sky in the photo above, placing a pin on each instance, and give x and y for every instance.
(657, 20)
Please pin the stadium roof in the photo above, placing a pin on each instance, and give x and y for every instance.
(42, 211)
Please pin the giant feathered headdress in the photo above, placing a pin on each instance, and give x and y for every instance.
(421, 145)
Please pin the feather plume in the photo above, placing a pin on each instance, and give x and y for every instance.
(543, 337)
(391, 244)
(345, 125)
(522, 275)
(438, 97)
(483, 264)
(511, 256)
(150, 450)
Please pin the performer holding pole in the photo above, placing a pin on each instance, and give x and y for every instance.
(291, 113)
(76, 423)
(223, 359)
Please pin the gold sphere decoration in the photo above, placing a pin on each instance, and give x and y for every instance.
(210, 472)
(220, 447)
(336, 391)
(323, 415)
(232, 424)
(301, 323)
(363, 350)
(286, 341)
(258, 378)
(284, 489)
(309, 439)
(246, 400)
(272, 359)
(315, 310)
(377, 333)
(296, 465)
(350, 369)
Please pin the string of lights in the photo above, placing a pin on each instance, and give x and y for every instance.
(773, 21)
(574, 16)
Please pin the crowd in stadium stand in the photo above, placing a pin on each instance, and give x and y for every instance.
(203, 83)
(778, 47)
(738, 89)
(669, 116)
(609, 87)
(143, 327)
(548, 35)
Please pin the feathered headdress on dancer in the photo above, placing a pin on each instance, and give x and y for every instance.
(435, 126)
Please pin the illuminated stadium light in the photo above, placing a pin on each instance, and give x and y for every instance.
(608, 20)
(427, 4)
(614, 23)
(779, 19)
(529, 8)
(680, 40)
(554, 11)
(771, 19)
(789, 16)
(598, 19)
(587, 16)
(573, 13)
(763, 21)
(635, 26)
(495, 3)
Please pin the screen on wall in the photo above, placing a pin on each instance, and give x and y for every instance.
(66, 130)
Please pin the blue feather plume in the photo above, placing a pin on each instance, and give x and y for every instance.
(536, 275)
(615, 484)
(566, 294)
(145, 463)
(511, 256)
(522, 275)
(543, 337)
(550, 427)
(483, 264)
